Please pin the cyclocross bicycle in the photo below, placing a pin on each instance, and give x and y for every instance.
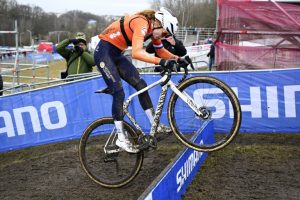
(194, 102)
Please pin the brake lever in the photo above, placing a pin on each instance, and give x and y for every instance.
(190, 62)
(184, 75)
(192, 66)
(174, 68)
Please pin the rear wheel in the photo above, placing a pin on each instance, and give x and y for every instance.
(104, 162)
(219, 105)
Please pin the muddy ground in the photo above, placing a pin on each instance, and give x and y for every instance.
(252, 167)
(255, 166)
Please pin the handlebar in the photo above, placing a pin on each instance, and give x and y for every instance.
(174, 68)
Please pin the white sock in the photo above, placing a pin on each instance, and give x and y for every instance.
(120, 129)
(150, 114)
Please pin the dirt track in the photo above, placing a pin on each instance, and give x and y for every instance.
(253, 167)
(54, 172)
(265, 167)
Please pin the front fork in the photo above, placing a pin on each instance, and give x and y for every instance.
(201, 112)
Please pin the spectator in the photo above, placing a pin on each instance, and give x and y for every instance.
(79, 59)
(170, 43)
(209, 40)
(211, 55)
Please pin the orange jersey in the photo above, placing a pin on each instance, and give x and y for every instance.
(137, 28)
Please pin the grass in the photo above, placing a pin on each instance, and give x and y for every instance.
(34, 75)
(55, 68)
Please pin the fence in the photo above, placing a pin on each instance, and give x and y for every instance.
(195, 36)
(257, 35)
(11, 71)
(16, 63)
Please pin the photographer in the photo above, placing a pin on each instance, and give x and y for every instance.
(79, 60)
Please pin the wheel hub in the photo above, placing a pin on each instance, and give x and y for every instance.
(206, 114)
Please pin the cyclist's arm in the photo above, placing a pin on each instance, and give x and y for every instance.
(150, 48)
(161, 51)
(140, 27)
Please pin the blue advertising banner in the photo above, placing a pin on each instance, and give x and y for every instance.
(270, 102)
(173, 182)
(52, 114)
(44, 57)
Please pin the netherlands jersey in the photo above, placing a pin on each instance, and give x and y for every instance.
(137, 28)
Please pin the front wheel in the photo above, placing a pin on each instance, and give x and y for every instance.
(219, 106)
(104, 162)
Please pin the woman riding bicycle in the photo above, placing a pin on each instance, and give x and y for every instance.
(133, 31)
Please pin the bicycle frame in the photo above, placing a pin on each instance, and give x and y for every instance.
(162, 98)
(187, 122)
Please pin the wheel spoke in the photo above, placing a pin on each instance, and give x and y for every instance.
(218, 104)
(102, 160)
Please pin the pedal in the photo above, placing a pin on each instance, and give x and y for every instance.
(110, 158)
(112, 152)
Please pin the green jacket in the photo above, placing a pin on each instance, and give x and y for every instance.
(82, 64)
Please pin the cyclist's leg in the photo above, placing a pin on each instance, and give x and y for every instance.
(106, 58)
(130, 74)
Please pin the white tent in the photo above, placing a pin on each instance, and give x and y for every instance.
(94, 41)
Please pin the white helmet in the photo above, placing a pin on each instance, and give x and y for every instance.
(169, 22)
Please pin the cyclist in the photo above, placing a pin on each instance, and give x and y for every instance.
(132, 31)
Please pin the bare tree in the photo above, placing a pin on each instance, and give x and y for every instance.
(156, 4)
(33, 20)
(195, 13)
